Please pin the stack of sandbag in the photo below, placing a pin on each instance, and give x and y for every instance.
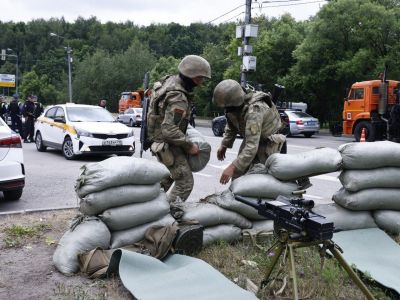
(124, 192)
(371, 181)
(304, 164)
(199, 161)
(219, 223)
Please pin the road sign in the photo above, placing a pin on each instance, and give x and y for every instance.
(7, 80)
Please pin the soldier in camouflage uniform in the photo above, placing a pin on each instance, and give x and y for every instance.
(167, 121)
(255, 118)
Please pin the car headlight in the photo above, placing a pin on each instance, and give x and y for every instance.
(131, 133)
(81, 132)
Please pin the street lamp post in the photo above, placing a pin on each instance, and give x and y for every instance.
(69, 58)
(16, 68)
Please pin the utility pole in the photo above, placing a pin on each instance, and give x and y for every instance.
(4, 55)
(245, 32)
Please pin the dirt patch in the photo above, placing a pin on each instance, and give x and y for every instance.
(27, 244)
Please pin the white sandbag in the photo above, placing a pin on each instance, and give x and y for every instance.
(210, 215)
(95, 203)
(132, 235)
(132, 215)
(355, 180)
(370, 199)
(262, 185)
(370, 155)
(199, 161)
(304, 164)
(226, 233)
(345, 219)
(117, 171)
(226, 200)
(84, 235)
(388, 220)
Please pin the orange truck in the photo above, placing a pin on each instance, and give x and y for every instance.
(373, 105)
(130, 99)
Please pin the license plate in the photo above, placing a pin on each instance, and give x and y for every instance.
(310, 123)
(112, 143)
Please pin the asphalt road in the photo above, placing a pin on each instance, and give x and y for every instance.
(50, 178)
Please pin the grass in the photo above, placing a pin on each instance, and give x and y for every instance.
(19, 235)
(314, 282)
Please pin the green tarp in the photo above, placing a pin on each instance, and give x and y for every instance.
(373, 252)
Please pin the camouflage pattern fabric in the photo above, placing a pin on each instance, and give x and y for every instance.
(256, 121)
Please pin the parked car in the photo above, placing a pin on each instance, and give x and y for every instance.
(218, 124)
(302, 123)
(131, 116)
(12, 171)
(78, 129)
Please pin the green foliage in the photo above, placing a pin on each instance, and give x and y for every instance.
(164, 66)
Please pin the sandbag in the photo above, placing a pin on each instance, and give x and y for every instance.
(226, 200)
(388, 220)
(117, 171)
(370, 199)
(132, 235)
(370, 155)
(226, 233)
(304, 164)
(95, 203)
(199, 161)
(86, 233)
(262, 226)
(132, 215)
(355, 180)
(262, 185)
(345, 219)
(210, 215)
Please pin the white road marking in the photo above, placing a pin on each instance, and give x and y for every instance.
(312, 197)
(326, 177)
(202, 174)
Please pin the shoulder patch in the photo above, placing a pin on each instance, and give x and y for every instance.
(178, 113)
(254, 129)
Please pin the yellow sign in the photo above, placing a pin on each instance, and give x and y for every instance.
(7, 80)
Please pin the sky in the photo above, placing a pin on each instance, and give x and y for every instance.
(146, 12)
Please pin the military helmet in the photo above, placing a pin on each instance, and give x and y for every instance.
(228, 93)
(193, 66)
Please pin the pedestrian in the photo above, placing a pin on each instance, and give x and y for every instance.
(252, 115)
(103, 103)
(29, 114)
(14, 110)
(193, 113)
(167, 121)
(38, 107)
(3, 108)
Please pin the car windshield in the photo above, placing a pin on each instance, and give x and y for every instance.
(89, 114)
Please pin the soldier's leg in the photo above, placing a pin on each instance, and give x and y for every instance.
(182, 176)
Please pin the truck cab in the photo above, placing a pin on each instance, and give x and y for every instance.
(368, 106)
(130, 99)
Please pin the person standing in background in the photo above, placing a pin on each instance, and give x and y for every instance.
(28, 112)
(193, 113)
(14, 111)
(3, 108)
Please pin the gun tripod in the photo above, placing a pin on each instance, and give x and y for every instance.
(286, 243)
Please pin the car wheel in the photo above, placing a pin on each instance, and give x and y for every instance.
(68, 149)
(131, 123)
(39, 142)
(308, 134)
(216, 128)
(12, 195)
(369, 131)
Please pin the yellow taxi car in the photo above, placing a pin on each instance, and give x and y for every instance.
(78, 129)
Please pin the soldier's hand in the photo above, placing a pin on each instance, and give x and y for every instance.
(227, 174)
(221, 152)
(194, 150)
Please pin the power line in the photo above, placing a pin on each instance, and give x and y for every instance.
(281, 5)
(225, 13)
(234, 17)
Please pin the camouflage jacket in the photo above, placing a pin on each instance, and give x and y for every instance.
(169, 112)
(255, 121)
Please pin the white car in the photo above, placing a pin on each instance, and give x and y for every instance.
(12, 171)
(78, 129)
(131, 116)
(302, 123)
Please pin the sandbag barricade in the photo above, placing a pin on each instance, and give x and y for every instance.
(371, 181)
(198, 162)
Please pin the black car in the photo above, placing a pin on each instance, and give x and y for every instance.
(218, 124)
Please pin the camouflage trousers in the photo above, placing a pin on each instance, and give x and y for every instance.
(181, 178)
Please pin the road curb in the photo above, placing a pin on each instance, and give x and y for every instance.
(27, 211)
